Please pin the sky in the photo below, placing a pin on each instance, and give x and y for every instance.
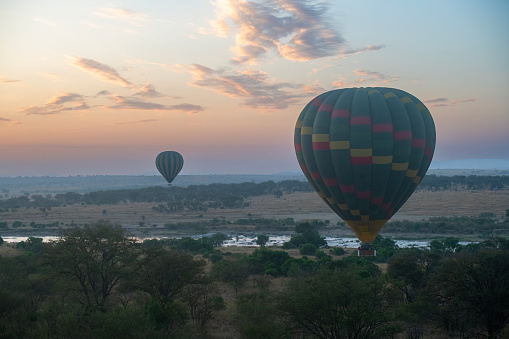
(101, 87)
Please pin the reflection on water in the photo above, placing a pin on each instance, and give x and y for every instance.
(274, 240)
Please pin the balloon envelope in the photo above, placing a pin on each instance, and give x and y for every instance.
(365, 150)
(169, 164)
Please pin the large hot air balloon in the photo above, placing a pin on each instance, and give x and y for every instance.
(169, 164)
(365, 150)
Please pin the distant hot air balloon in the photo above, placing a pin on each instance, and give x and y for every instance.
(365, 150)
(169, 164)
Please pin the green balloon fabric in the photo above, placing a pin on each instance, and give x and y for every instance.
(365, 151)
(169, 164)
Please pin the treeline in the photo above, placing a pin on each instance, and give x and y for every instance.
(471, 182)
(194, 197)
(98, 282)
(203, 197)
(485, 224)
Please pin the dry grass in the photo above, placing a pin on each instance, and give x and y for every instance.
(9, 250)
(299, 206)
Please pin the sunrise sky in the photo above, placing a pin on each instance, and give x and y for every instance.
(101, 87)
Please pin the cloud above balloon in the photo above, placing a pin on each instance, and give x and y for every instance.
(58, 104)
(442, 102)
(295, 29)
(102, 71)
(254, 88)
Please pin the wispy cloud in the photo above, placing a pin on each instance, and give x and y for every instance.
(136, 122)
(8, 122)
(441, 102)
(368, 48)
(366, 78)
(101, 71)
(59, 104)
(296, 29)
(148, 91)
(122, 102)
(4, 80)
(123, 14)
(253, 87)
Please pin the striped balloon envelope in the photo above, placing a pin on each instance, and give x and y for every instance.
(365, 150)
(169, 164)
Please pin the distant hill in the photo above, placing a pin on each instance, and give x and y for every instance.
(92, 183)
(472, 164)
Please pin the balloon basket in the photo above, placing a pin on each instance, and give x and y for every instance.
(366, 250)
(366, 253)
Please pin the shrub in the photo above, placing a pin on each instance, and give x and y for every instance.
(338, 251)
(307, 249)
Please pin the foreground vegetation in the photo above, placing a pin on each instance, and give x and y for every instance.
(98, 282)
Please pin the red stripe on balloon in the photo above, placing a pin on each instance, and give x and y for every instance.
(360, 121)
(418, 142)
(326, 107)
(428, 151)
(385, 206)
(363, 194)
(377, 128)
(315, 175)
(316, 102)
(330, 182)
(340, 113)
(361, 160)
(377, 200)
(298, 147)
(403, 135)
(347, 188)
(321, 145)
(304, 168)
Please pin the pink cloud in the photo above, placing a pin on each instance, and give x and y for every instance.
(295, 29)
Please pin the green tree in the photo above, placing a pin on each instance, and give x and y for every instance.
(166, 272)
(306, 234)
(410, 270)
(204, 302)
(258, 316)
(472, 292)
(218, 239)
(233, 272)
(340, 304)
(262, 240)
(307, 249)
(96, 258)
(1, 240)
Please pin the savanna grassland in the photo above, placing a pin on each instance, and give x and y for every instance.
(99, 282)
(145, 218)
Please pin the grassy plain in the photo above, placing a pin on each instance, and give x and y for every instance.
(141, 219)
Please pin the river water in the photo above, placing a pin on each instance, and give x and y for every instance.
(274, 240)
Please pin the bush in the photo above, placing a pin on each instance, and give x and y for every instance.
(307, 249)
(338, 251)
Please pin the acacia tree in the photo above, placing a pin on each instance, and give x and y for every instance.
(471, 292)
(342, 303)
(96, 258)
(262, 239)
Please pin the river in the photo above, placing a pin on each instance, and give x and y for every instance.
(274, 240)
